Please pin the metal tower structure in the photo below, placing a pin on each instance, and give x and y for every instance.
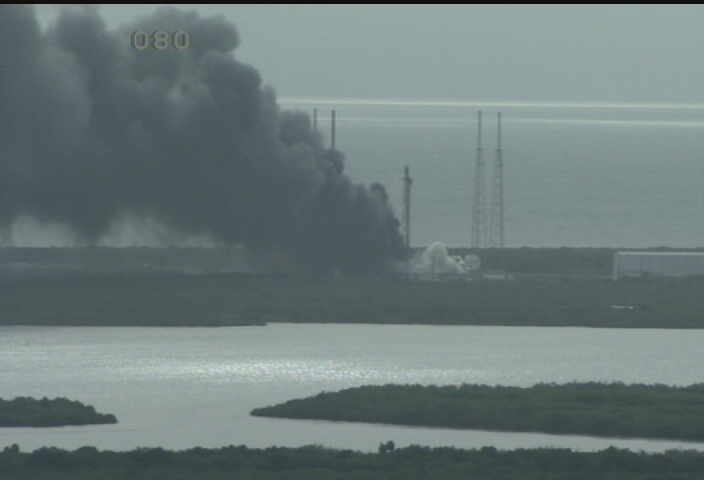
(497, 201)
(479, 214)
(407, 182)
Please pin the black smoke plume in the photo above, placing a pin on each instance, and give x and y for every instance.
(91, 128)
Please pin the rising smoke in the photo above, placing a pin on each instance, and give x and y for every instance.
(435, 259)
(93, 131)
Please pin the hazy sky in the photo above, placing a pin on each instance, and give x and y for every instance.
(521, 53)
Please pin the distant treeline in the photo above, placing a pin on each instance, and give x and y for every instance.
(318, 463)
(527, 260)
(611, 410)
(586, 261)
(549, 260)
(30, 412)
(242, 299)
(26, 261)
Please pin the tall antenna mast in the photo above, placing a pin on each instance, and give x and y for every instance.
(478, 238)
(407, 182)
(332, 133)
(497, 213)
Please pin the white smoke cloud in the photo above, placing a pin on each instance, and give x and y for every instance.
(127, 230)
(436, 260)
(132, 230)
(28, 231)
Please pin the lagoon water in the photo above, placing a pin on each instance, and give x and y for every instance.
(576, 174)
(184, 387)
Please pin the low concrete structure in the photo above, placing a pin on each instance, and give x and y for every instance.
(658, 264)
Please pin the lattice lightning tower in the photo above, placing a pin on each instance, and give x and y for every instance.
(497, 203)
(479, 214)
(407, 182)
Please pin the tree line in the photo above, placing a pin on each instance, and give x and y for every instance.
(319, 463)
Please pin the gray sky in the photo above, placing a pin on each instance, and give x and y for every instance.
(517, 53)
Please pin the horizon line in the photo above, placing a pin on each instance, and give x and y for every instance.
(491, 103)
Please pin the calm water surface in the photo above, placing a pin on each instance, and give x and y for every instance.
(183, 387)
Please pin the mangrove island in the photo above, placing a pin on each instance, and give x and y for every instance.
(30, 412)
(610, 410)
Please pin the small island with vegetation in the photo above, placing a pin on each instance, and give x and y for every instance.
(600, 409)
(30, 412)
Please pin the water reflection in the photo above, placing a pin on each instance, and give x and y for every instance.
(180, 388)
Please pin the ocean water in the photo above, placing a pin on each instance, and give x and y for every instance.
(184, 387)
(576, 174)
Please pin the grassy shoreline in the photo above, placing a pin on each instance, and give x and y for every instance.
(57, 412)
(595, 409)
(240, 299)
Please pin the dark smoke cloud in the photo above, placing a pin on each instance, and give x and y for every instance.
(91, 128)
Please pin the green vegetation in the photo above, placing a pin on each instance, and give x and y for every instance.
(526, 260)
(29, 412)
(538, 260)
(554, 261)
(128, 300)
(237, 299)
(612, 410)
(318, 463)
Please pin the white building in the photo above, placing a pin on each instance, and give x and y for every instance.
(667, 264)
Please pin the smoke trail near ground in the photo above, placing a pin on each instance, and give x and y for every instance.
(93, 130)
(435, 259)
